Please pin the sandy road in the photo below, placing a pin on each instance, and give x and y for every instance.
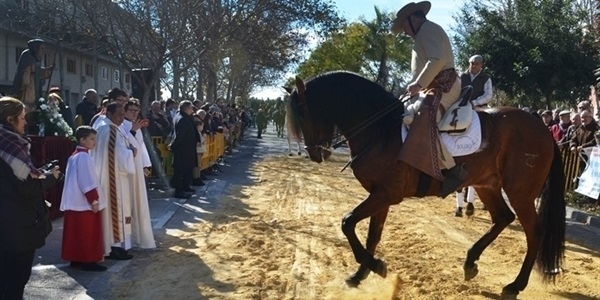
(280, 238)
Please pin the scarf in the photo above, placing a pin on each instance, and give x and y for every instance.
(14, 150)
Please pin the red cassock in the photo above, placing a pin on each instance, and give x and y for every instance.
(82, 236)
(82, 231)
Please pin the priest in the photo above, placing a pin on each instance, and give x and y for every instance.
(141, 224)
(114, 160)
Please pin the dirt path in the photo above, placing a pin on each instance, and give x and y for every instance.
(281, 239)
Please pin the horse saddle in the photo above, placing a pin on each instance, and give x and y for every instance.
(458, 116)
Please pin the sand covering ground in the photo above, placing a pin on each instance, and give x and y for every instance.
(280, 238)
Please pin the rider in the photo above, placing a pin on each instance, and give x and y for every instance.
(432, 69)
(480, 97)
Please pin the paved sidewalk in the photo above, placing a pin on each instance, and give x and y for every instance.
(52, 278)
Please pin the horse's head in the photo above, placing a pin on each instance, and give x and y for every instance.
(307, 120)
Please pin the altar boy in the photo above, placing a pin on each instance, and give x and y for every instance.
(81, 201)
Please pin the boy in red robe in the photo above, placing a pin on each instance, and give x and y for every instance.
(81, 202)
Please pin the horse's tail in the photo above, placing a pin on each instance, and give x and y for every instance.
(552, 220)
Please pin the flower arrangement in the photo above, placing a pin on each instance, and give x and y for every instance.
(51, 121)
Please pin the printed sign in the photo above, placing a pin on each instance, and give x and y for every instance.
(589, 181)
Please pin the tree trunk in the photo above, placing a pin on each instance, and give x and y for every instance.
(176, 77)
(382, 71)
(211, 86)
(199, 88)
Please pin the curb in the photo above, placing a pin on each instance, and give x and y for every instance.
(583, 217)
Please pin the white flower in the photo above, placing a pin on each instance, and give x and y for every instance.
(56, 134)
(51, 120)
(44, 106)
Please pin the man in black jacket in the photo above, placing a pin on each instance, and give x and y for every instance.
(88, 107)
(183, 146)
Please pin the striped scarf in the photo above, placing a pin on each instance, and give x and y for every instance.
(14, 150)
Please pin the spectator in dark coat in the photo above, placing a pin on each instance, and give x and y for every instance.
(24, 220)
(88, 107)
(183, 146)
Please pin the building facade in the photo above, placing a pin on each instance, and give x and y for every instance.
(74, 71)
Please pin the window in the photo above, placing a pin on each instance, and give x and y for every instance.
(104, 73)
(89, 70)
(71, 66)
(127, 78)
(117, 76)
(18, 54)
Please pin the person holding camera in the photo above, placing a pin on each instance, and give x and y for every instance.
(81, 202)
(24, 215)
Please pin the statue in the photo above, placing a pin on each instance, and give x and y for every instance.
(27, 85)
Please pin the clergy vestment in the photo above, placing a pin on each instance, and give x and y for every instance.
(98, 122)
(114, 162)
(141, 224)
(82, 233)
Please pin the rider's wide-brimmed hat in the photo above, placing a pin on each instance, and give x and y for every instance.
(408, 10)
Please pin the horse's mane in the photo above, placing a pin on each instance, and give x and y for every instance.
(342, 93)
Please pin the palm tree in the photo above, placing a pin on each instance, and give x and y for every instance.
(384, 49)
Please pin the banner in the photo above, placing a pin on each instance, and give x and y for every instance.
(589, 181)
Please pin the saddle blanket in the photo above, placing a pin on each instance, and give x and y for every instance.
(460, 144)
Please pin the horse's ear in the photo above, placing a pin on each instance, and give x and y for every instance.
(300, 86)
(288, 89)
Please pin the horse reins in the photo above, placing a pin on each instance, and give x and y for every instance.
(371, 120)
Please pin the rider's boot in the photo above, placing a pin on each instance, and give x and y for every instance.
(453, 178)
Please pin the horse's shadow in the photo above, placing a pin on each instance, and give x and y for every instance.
(586, 240)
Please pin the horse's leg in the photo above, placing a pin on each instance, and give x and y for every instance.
(501, 215)
(374, 236)
(524, 207)
(371, 206)
(289, 140)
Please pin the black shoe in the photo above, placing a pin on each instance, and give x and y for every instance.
(182, 195)
(458, 212)
(470, 209)
(119, 254)
(189, 190)
(75, 264)
(94, 267)
(197, 182)
(454, 177)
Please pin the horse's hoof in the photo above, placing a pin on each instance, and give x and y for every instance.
(290, 154)
(470, 209)
(380, 268)
(352, 281)
(470, 273)
(299, 153)
(508, 294)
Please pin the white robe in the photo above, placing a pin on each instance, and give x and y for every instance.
(124, 161)
(141, 223)
(100, 121)
(80, 178)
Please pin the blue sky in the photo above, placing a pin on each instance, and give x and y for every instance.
(442, 12)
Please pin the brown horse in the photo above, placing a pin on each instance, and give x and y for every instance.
(517, 155)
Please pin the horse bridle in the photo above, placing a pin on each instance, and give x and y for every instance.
(326, 145)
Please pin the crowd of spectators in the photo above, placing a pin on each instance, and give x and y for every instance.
(574, 131)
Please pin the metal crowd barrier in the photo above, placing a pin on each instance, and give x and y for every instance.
(572, 168)
(215, 148)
